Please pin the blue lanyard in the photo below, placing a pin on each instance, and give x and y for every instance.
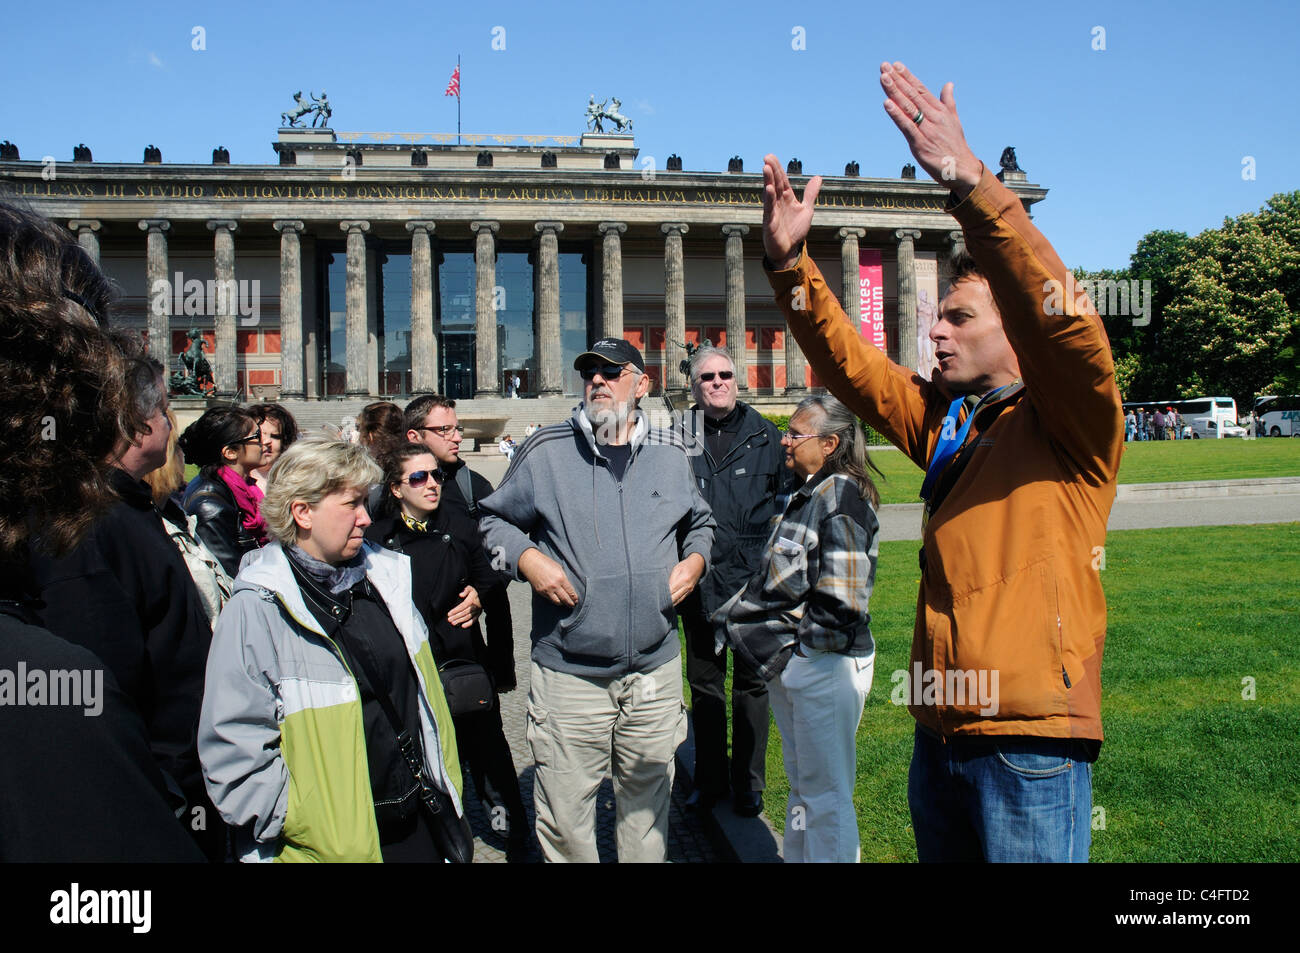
(948, 446)
(949, 443)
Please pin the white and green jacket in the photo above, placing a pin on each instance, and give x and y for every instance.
(280, 734)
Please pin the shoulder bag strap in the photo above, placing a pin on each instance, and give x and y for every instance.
(467, 489)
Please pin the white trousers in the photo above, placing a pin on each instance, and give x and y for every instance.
(582, 729)
(818, 703)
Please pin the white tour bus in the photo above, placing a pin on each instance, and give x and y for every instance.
(1279, 416)
(1210, 417)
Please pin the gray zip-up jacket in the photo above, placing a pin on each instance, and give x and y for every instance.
(617, 542)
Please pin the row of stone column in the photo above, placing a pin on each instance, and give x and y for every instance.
(424, 355)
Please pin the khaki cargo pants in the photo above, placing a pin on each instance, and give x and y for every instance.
(582, 729)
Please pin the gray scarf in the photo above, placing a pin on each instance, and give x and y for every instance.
(335, 579)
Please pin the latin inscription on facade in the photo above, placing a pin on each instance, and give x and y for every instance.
(353, 191)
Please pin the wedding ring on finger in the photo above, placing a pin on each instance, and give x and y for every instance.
(919, 117)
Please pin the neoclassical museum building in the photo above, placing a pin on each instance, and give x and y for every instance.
(357, 266)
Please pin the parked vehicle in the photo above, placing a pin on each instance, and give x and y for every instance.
(1278, 416)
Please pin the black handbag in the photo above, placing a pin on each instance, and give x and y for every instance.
(468, 686)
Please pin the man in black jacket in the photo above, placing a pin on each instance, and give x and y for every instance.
(431, 420)
(740, 466)
(125, 593)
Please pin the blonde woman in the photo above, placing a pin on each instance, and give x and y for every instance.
(325, 735)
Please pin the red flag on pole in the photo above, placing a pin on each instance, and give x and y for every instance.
(453, 88)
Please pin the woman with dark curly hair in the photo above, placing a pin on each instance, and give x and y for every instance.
(74, 788)
(226, 444)
(279, 430)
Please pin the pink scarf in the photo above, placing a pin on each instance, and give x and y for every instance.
(248, 497)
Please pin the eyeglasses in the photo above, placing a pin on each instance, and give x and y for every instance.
(421, 477)
(708, 376)
(611, 372)
(255, 438)
(445, 430)
(792, 437)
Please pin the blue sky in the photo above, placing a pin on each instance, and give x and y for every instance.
(1150, 132)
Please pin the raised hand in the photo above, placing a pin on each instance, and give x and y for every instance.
(931, 128)
(786, 219)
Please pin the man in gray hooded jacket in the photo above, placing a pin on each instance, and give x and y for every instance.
(602, 517)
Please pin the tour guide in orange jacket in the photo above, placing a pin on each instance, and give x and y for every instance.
(1005, 673)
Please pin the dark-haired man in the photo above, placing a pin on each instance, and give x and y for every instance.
(431, 420)
(1020, 432)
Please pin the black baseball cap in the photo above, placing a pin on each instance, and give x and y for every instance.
(611, 351)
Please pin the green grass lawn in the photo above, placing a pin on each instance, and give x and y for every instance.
(1152, 461)
(1190, 771)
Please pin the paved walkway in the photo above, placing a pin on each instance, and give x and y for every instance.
(902, 521)
(688, 841)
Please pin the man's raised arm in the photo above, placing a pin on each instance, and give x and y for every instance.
(886, 395)
(1058, 339)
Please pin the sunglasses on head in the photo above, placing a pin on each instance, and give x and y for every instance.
(611, 372)
(707, 376)
(421, 477)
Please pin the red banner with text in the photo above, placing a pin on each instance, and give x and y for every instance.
(871, 287)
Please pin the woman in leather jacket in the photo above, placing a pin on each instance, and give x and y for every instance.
(227, 445)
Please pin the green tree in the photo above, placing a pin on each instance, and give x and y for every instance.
(1235, 311)
(1156, 372)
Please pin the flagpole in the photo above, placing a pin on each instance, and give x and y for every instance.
(458, 101)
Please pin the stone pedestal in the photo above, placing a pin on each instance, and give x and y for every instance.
(295, 136)
(608, 141)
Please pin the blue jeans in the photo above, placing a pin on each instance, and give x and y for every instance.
(1009, 799)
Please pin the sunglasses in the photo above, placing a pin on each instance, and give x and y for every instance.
(611, 372)
(445, 431)
(255, 438)
(708, 376)
(421, 477)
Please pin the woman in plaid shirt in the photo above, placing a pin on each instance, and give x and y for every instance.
(802, 622)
